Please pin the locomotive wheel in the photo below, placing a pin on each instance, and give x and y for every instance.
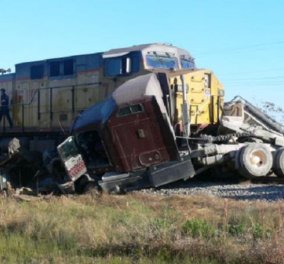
(254, 160)
(278, 166)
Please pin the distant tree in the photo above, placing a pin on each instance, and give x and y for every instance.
(273, 110)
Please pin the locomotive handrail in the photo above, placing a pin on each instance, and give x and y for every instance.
(56, 87)
(36, 93)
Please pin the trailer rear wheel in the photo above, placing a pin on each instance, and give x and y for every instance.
(254, 160)
(278, 166)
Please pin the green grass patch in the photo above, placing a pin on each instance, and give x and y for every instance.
(140, 229)
(198, 228)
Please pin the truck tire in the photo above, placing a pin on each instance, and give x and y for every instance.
(254, 160)
(278, 163)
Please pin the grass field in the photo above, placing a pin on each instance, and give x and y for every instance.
(140, 228)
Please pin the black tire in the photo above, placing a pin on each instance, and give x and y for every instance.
(254, 160)
(278, 163)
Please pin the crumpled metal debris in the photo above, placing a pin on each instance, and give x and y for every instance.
(13, 147)
(24, 190)
(30, 172)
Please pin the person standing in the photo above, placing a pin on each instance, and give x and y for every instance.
(4, 110)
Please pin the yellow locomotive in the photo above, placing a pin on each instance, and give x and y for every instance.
(46, 95)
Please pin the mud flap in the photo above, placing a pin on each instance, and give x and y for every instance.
(170, 172)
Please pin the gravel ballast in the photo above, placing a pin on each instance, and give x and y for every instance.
(243, 191)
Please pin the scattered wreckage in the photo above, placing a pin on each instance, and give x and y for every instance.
(128, 141)
(27, 171)
(132, 140)
(150, 117)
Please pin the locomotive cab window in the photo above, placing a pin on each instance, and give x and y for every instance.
(155, 61)
(187, 63)
(122, 66)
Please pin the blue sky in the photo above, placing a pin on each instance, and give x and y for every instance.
(242, 41)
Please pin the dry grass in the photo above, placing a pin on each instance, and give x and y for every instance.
(141, 228)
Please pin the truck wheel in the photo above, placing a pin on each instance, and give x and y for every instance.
(254, 160)
(278, 166)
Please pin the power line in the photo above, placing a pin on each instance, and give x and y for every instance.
(248, 47)
(255, 84)
(266, 71)
(258, 78)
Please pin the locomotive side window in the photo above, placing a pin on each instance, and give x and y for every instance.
(60, 68)
(68, 67)
(54, 68)
(37, 72)
(123, 65)
(113, 67)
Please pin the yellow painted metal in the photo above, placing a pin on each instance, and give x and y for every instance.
(205, 96)
(32, 99)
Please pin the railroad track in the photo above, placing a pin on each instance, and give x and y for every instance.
(264, 188)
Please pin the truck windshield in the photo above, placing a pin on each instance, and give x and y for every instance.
(161, 62)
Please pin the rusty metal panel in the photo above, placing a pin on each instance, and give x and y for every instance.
(140, 140)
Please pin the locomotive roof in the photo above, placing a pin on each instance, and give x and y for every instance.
(7, 77)
(146, 47)
(60, 58)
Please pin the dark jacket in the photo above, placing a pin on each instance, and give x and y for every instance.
(4, 102)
